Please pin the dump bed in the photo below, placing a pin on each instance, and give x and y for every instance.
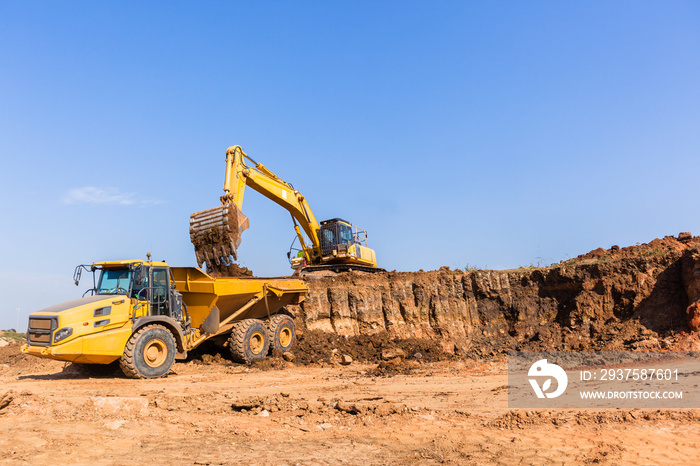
(262, 296)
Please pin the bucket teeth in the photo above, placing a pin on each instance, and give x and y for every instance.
(216, 233)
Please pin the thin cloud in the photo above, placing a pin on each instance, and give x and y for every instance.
(105, 196)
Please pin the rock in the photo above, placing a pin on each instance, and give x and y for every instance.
(114, 425)
(393, 353)
(3, 342)
(448, 346)
(345, 360)
(693, 312)
(685, 237)
(244, 405)
(288, 356)
(691, 275)
(324, 426)
(384, 409)
(348, 407)
(6, 399)
(646, 344)
(264, 413)
(392, 362)
(418, 356)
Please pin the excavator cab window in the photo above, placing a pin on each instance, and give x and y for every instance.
(345, 234)
(335, 235)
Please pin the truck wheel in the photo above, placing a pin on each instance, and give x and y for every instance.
(249, 341)
(282, 333)
(149, 353)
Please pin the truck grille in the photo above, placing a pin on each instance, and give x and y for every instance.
(40, 330)
(40, 324)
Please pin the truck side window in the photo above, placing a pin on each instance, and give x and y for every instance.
(161, 288)
(141, 291)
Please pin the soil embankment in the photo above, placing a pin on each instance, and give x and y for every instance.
(637, 297)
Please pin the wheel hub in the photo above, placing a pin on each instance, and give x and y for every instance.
(155, 352)
(257, 342)
(285, 337)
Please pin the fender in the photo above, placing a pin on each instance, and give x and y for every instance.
(171, 324)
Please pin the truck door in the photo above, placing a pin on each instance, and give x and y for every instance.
(160, 289)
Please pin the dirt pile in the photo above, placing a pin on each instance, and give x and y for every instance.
(622, 298)
(232, 270)
(317, 346)
(263, 406)
(13, 361)
(656, 247)
(393, 355)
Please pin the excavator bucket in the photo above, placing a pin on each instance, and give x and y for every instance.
(216, 234)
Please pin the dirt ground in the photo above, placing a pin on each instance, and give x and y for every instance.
(212, 411)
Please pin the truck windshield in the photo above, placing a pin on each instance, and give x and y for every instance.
(114, 281)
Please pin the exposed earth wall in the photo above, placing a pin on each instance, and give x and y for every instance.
(633, 297)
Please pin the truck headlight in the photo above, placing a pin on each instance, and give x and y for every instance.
(62, 334)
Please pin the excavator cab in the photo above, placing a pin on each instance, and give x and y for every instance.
(336, 234)
(343, 243)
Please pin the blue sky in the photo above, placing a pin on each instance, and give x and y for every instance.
(491, 134)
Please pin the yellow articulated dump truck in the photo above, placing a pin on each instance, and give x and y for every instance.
(142, 315)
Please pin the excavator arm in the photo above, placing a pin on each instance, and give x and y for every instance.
(261, 179)
(216, 233)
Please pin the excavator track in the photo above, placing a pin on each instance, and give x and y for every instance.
(331, 269)
(216, 234)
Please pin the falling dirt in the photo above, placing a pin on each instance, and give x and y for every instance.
(216, 234)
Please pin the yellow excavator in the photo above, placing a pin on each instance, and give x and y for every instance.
(333, 245)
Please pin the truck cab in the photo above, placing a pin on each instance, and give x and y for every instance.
(148, 285)
(125, 296)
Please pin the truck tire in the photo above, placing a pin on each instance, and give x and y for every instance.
(249, 341)
(149, 353)
(283, 333)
